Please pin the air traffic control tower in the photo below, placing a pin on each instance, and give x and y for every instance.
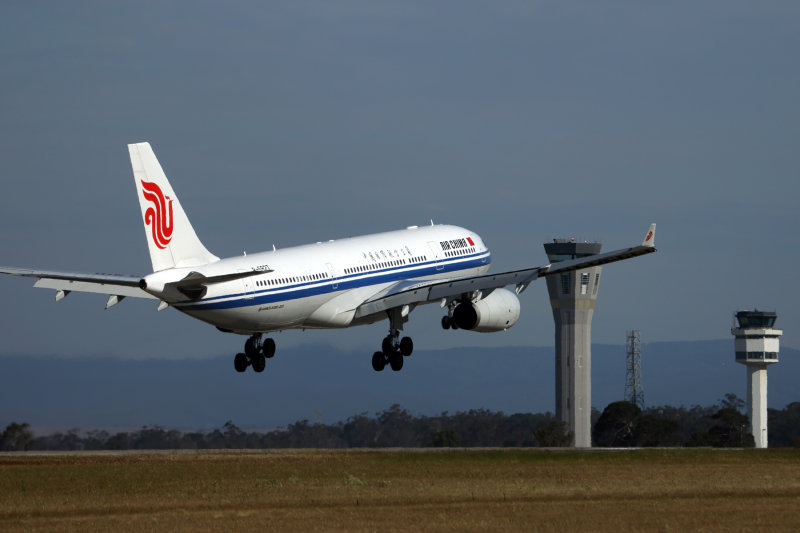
(572, 297)
(757, 345)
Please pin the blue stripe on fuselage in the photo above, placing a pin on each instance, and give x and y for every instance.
(347, 282)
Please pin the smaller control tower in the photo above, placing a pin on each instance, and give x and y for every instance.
(757, 346)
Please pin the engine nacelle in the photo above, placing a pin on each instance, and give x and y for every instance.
(497, 312)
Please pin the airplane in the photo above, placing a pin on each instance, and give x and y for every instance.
(335, 284)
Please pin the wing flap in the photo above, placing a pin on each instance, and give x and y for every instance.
(484, 282)
(406, 293)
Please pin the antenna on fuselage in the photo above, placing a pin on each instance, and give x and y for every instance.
(431, 222)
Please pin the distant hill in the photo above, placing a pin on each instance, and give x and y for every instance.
(320, 383)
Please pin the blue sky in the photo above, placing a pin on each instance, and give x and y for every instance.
(296, 122)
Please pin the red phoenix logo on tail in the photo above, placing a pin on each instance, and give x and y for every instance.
(156, 215)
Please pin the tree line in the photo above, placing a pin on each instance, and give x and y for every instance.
(620, 424)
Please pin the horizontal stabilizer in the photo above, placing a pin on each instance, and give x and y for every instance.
(68, 286)
(66, 282)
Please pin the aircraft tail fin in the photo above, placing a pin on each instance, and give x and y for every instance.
(170, 236)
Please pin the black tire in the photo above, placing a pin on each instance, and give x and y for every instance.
(259, 363)
(396, 361)
(378, 361)
(445, 322)
(251, 347)
(240, 362)
(406, 346)
(387, 346)
(268, 348)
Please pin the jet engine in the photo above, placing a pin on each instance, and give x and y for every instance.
(497, 312)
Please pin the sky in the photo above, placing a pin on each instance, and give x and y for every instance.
(293, 122)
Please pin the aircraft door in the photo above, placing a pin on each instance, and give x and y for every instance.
(247, 285)
(436, 251)
(332, 274)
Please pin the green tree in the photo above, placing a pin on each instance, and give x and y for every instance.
(652, 431)
(784, 426)
(731, 401)
(553, 434)
(16, 437)
(446, 438)
(616, 426)
(731, 429)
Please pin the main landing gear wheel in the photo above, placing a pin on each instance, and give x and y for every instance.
(240, 362)
(259, 363)
(268, 348)
(396, 361)
(387, 346)
(378, 361)
(448, 322)
(406, 346)
(251, 347)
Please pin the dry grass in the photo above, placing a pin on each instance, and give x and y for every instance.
(463, 490)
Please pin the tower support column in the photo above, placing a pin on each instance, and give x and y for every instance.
(574, 370)
(757, 402)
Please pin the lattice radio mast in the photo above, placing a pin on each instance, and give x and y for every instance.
(634, 390)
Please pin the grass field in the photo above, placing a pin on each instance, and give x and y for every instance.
(404, 490)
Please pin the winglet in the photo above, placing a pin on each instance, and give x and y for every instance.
(649, 239)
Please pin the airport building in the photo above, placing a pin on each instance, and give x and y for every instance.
(757, 345)
(572, 298)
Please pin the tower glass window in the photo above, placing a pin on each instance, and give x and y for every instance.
(756, 319)
(584, 282)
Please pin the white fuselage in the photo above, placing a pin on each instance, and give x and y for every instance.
(321, 285)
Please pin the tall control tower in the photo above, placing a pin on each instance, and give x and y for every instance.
(572, 297)
(757, 345)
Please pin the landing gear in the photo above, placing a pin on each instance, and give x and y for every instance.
(393, 359)
(240, 362)
(252, 346)
(393, 348)
(268, 348)
(255, 354)
(259, 363)
(406, 346)
(448, 321)
(387, 346)
(378, 361)
(396, 361)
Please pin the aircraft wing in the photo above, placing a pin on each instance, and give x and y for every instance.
(117, 287)
(409, 293)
